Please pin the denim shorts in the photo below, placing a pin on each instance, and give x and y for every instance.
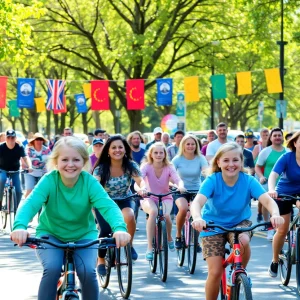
(30, 181)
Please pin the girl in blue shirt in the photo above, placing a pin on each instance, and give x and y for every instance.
(225, 197)
(288, 168)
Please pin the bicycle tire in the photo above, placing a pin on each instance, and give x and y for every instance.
(163, 251)
(242, 287)
(4, 212)
(109, 258)
(13, 207)
(285, 259)
(297, 249)
(192, 249)
(153, 262)
(181, 252)
(124, 270)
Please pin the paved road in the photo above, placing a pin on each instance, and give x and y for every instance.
(20, 273)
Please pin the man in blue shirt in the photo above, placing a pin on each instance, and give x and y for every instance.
(248, 158)
(134, 140)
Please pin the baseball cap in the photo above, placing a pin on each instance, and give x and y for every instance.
(98, 141)
(10, 132)
(249, 134)
(157, 130)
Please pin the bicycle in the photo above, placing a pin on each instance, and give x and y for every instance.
(67, 289)
(160, 240)
(9, 200)
(189, 237)
(120, 259)
(237, 284)
(290, 253)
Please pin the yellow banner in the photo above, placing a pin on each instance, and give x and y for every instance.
(87, 90)
(40, 104)
(273, 80)
(244, 84)
(191, 89)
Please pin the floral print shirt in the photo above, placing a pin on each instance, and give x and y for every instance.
(38, 160)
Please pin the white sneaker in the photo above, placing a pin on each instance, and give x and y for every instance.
(270, 234)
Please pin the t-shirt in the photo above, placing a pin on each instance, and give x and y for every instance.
(67, 212)
(228, 205)
(267, 158)
(118, 187)
(213, 147)
(10, 158)
(38, 160)
(93, 159)
(138, 155)
(204, 149)
(159, 185)
(248, 159)
(189, 170)
(288, 168)
(172, 151)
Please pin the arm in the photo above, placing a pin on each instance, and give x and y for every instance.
(255, 152)
(140, 185)
(196, 208)
(259, 173)
(272, 183)
(27, 162)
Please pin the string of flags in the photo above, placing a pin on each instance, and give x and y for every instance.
(98, 92)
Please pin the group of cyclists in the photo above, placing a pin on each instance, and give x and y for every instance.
(74, 188)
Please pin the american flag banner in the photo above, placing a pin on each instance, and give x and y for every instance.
(55, 94)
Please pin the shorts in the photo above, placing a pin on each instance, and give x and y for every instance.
(214, 245)
(126, 203)
(155, 200)
(285, 207)
(185, 196)
(30, 181)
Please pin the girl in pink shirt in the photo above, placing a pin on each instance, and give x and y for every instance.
(157, 172)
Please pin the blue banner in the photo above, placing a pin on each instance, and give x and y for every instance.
(25, 94)
(180, 107)
(81, 103)
(164, 91)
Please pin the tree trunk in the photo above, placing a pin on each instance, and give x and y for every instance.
(135, 118)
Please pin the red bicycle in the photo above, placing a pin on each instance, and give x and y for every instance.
(236, 285)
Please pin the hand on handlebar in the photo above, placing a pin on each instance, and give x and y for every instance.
(122, 238)
(19, 236)
(199, 224)
(276, 221)
(273, 194)
(182, 190)
(142, 192)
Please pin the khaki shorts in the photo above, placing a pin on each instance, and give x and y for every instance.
(214, 245)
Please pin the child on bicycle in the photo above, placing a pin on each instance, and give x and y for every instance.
(157, 172)
(225, 198)
(67, 195)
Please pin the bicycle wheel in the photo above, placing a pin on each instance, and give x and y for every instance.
(153, 263)
(109, 258)
(4, 210)
(192, 249)
(163, 250)
(181, 252)
(297, 259)
(242, 288)
(124, 270)
(12, 207)
(285, 259)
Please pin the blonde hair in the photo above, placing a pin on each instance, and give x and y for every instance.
(183, 142)
(72, 142)
(291, 142)
(231, 146)
(149, 158)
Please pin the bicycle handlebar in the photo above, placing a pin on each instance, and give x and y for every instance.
(128, 197)
(103, 243)
(239, 229)
(285, 197)
(161, 195)
(13, 172)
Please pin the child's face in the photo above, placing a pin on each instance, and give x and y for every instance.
(69, 164)
(230, 163)
(158, 154)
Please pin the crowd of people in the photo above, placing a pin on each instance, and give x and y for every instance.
(73, 184)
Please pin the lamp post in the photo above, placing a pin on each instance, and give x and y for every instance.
(212, 104)
(281, 44)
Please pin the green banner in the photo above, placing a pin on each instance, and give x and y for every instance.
(13, 109)
(218, 83)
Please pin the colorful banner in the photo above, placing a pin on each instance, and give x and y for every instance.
(13, 109)
(164, 91)
(3, 87)
(40, 104)
(100, 97)
(25, 92)
(135, 90)
(218, 83)
(81, 103)
(273, 80)
(87, 90)
(244, 84)
(281, 108)
(63, 108)
(180, 106)
(191, 89)
(55, 94)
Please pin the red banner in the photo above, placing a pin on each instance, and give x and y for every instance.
(100, 97)
(135, 94)
(3, 86)
(63, 109)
